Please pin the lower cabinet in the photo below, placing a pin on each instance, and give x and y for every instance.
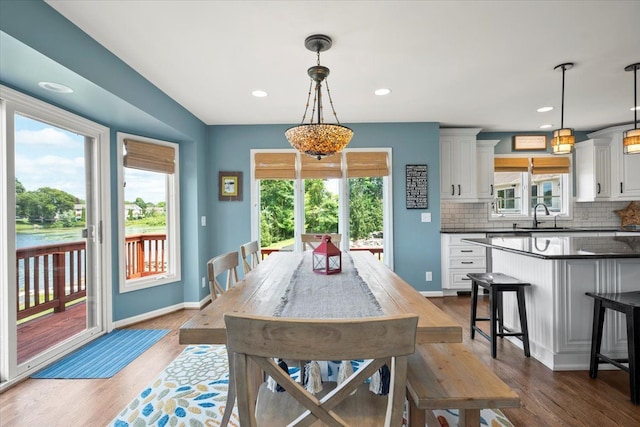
(460, 258)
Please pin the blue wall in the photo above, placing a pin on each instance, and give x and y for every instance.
(416, 244)
(34, 34)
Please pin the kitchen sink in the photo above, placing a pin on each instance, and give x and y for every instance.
(546, 228)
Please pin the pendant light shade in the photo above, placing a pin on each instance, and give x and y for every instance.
(318, 139)
(631, 139)
(563, 139)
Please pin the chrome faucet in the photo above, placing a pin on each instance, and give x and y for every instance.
(535, 214)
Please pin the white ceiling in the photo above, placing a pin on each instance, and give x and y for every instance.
(487, 64)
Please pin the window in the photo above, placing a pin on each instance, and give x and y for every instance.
(348, 193)
(149, 209)
(540, 179)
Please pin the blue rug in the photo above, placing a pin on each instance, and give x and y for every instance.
(104, 357)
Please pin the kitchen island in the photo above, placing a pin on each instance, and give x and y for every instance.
(561, 270)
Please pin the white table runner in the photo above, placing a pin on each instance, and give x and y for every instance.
(334, 296)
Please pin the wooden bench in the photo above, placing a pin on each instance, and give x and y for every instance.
(449, 376)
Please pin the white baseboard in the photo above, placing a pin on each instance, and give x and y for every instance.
(430, 294)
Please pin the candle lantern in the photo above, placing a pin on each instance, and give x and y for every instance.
(327, 258)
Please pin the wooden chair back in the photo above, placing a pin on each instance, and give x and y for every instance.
(377, 340)
(310, 241)
(218, 265)
(250, 253)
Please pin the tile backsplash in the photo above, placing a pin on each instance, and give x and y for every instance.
(476, 215)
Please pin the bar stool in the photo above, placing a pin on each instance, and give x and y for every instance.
(629, 304)
(497, 284)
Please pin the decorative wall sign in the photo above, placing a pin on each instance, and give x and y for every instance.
(230, 186)
(417, 180)
(529, 142)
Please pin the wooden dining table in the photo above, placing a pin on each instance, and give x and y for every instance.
(261, 291)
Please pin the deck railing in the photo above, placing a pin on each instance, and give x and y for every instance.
(49, 276)
(145, 255)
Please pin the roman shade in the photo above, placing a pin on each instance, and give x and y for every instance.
(362, 164)
(149, 156)
(511, 164)
(325, 168)
(275, 165)
(547, 165)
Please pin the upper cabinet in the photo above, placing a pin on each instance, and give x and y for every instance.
(465, 172)
(623, 169)
(593, 170)
(485, 151)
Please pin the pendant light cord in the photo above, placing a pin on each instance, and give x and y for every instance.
(562, 109)
(635, 96)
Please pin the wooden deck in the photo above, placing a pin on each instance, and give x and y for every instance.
(39, 334)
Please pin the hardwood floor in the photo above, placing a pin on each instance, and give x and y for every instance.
(548, 398)
(567, 398)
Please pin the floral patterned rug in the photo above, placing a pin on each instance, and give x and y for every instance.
(192, 391)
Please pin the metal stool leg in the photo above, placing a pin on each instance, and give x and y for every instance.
(522, 311)
(492, 320)
(633, 341)
(474, 307)
(500, 313)
(596, 337)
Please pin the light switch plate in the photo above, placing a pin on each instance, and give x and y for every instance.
(203, 221)
(426, 217)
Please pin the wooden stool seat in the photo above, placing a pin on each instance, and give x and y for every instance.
(497, 284)
(629, 304)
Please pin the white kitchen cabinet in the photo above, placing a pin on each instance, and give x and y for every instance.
(460, 258)
(625, 168)
(593, 170)
(484, 160)
(463, 178)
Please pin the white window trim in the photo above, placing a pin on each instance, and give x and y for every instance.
(343, 213)
(567, 186)
(173, 222)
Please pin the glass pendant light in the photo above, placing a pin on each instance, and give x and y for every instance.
(563, 139)
(631, 139)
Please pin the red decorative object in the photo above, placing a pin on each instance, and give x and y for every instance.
(327, 259)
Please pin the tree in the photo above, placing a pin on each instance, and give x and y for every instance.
(320, 207)
(19, 187)
(44, 204)
(276, 210)
(365, 207)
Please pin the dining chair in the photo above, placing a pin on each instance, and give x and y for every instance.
(218, 265)
(250, 253)
(376, 340)
(310, 241)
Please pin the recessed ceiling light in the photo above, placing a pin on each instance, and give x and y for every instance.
(382, 91)
(55, 87)
(544, 109)
(259, 93)
(546, 126)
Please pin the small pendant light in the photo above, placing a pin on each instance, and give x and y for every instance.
(631, 140)
(563, 139)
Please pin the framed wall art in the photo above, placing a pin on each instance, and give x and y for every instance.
(417, 180)
(229, 186)
(529, 142)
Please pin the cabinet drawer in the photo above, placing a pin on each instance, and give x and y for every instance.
(459, 280)
(466, 251)
(468, 263)
(456, 239)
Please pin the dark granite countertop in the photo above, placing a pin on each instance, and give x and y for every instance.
(568, 247)
(525, 230)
